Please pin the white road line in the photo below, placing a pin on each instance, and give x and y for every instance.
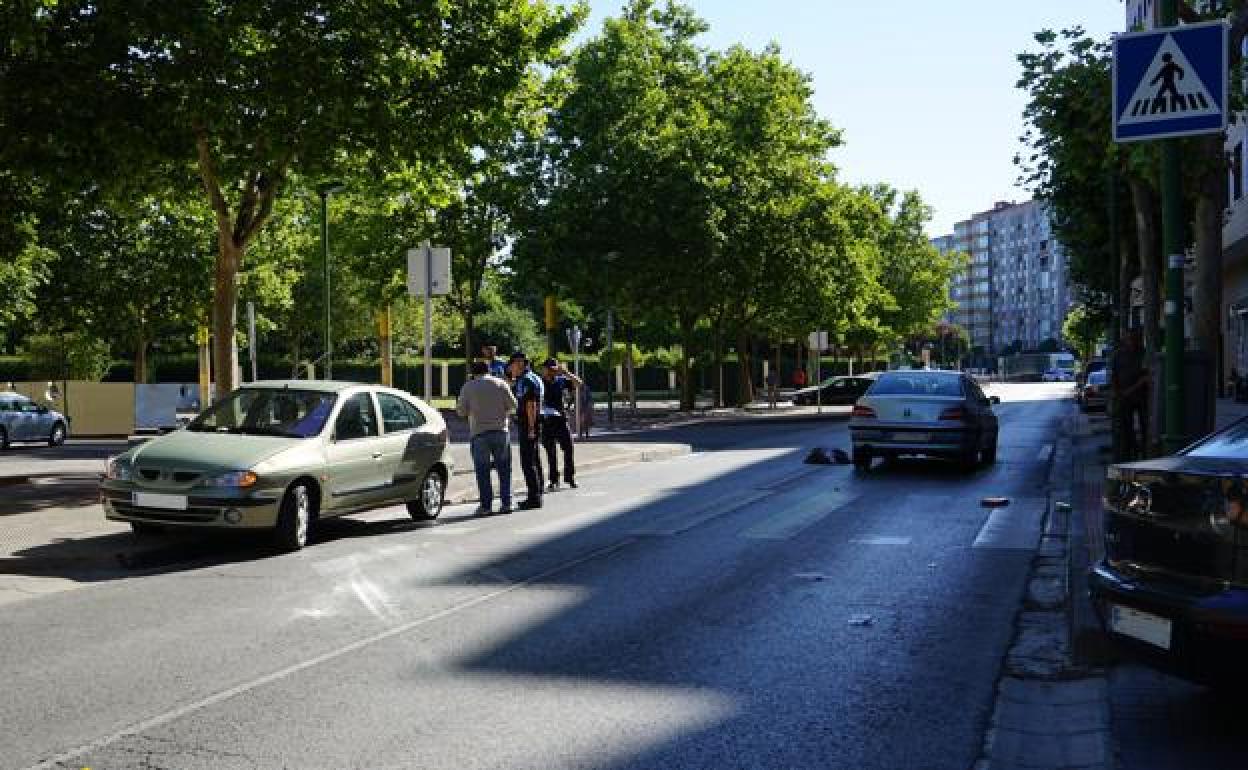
(1016, 527)
(881, 540)
(284, 673)
(792, 512)
(1044, 453)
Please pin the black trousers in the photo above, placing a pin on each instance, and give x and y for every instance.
(1133, 444)
(531, 465)
(555, 431)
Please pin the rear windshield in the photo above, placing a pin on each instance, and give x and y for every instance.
(1098, 377)
(1231, 441)
(916, 384)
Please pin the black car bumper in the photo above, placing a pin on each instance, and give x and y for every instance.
(1207, 636)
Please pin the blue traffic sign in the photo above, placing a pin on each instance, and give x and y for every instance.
(1170, 82)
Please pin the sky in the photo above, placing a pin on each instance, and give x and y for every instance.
(923, 91)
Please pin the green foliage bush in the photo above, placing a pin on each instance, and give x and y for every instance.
(71, 355)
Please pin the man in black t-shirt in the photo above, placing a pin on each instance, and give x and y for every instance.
(557, 384)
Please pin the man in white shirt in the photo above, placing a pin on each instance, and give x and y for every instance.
(488, 403)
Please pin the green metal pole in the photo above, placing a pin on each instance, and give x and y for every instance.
(1172, 238)
(1116, 310)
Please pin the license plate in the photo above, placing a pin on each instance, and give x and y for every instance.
(912, 437)
(166, 502)
(1140, 625)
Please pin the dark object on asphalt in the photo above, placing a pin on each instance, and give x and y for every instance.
(924, 412)
(821, 456)
(529, 505)
(1173, 584)
(835, 390)
(995, 502)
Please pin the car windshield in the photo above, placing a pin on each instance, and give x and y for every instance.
(1231, 441)
(1098, 377)
(268, 412)
(916, 384)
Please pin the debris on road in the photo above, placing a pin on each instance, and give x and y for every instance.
(861, 620)
(995, 502)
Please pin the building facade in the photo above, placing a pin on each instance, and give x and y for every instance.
(1014, 292)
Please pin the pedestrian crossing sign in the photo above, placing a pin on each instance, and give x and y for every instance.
(1170, 82)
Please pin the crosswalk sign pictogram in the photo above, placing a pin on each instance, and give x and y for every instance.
(1170, 82)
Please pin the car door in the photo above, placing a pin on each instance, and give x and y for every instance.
(353, 467)
(25, 421)
(408, 447)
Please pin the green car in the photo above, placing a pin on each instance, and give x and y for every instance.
(280, 455)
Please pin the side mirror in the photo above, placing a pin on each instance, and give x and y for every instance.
(994, 399)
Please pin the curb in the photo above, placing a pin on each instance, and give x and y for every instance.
(1048, 711)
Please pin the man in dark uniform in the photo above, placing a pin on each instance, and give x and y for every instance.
(1129, 381)
(528, 388)
(557, 382)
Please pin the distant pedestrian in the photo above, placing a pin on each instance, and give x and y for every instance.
(1129, 382)
(488, 402)
(584, 410)
(558, 383)
(528, 389)
(773, 385)
(497, 367)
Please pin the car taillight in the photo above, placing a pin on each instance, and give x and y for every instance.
(953, 413)
(862, 411)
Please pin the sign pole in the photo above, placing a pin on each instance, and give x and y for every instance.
(427, 253)
(1172, 237)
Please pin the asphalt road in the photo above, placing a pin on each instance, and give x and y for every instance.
(733, 608)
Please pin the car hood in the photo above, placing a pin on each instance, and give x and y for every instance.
(194, 450)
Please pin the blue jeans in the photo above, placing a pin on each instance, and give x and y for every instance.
(492, 448)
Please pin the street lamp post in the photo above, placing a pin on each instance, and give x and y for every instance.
(325, 190)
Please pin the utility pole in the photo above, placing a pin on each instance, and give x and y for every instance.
(1172, 239)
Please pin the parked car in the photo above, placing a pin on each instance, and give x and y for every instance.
(280, 456)
(1057, 375)
(1173, 583)
(1095, 394)
(21, 419)
(1093, 365)
(834, 390)
(924, 412)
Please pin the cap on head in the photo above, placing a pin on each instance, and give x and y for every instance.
(551, 363)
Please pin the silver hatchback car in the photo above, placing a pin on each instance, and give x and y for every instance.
(924, 412)
(24, 420)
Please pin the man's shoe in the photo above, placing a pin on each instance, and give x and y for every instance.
(504, 509)
(482, 510)
(529, 505)
(552, 486)
(572, 484)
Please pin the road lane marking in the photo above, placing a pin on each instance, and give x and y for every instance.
(173, 715)
(1045, 452)
(881, 540)
(791, 512)
(1014, 528)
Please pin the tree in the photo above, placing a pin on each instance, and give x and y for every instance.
(1084, 328)
(249, 93)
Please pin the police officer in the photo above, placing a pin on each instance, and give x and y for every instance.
(528, 389)
(558, 383)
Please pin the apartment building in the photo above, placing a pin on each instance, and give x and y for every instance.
(1014, 292)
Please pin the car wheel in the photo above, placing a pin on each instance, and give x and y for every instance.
(294, 519)
(4, 438)
(432, 494)
(144, 529)
(862, 460)
(57, 436)
(989, 455)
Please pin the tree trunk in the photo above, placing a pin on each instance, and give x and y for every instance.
(140, 354)
(1148, 236)
(1207, 291)
(470, 333)
(1127, 270)
(745, 391)
(719, 368)
(629, 371)
(688, 391)
(224, 318)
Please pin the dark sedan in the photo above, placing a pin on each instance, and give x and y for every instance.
(833, 391)
(1173, 584)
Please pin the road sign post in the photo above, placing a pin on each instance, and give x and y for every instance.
(1171, 82)
(428, 273)
(818, 343)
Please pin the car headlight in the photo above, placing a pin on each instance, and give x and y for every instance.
(118, 469)
(232, 479)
